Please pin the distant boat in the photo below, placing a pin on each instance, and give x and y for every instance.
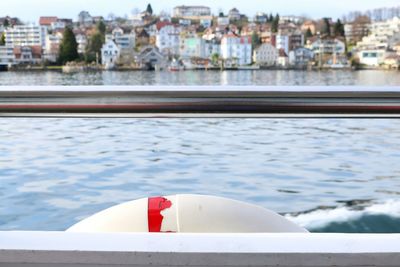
(175, 66)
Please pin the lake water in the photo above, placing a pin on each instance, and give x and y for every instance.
(330, 175)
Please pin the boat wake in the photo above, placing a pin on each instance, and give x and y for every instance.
(352, 217)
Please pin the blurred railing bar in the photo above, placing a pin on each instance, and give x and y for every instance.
(153, 101)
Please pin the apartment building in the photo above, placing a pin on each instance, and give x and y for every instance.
(266, 55)
(238, 48)
(168, 38)
(26, 35)
(191, 11)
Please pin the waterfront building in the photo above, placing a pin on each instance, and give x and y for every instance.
(234, 14)
(110, 53)
(283, 59)
(26, 35)
(7, 56)
(266, 55)
(191, 11)
(151, 58)
(168, 38)
(373, 58)
(28, 54)
(301, 57)
(238, 48)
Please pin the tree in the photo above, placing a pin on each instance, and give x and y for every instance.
(94, 46)
(275, 23)
(6, 23)
(68, 47)
(215, 58)
(339, 28)
(309, 33)
(101, 27)
(255, 40)
(271, 18)
(149, 9)
(326, 27)
(3, 39)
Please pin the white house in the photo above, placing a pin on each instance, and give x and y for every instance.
(168, 38)
(125, 41)
(110, 53)
(300, 57)
(265, 55)
(237, 48)
(372, 58)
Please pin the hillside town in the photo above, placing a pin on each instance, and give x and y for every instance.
(192, 37)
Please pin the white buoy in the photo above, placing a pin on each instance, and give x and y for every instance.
(187, 214)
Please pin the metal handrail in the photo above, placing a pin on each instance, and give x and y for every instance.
(203, 101)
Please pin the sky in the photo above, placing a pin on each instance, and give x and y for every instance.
(30, 10)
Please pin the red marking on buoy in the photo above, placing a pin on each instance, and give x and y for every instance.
(156, 205)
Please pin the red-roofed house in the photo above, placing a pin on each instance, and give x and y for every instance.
(28, 54)
(283, 59)
(236, 47)
(47, 21)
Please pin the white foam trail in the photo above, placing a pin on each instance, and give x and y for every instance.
(321, 218)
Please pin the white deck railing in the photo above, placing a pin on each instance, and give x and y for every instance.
(61, 249)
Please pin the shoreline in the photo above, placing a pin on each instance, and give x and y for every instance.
(96, 69)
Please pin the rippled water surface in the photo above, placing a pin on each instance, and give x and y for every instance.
(367, 78)
(326, 174)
